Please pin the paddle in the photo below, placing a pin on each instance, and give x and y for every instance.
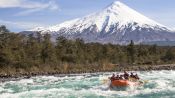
(104, 81)
(144, 81)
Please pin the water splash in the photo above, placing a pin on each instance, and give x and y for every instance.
(161, 85)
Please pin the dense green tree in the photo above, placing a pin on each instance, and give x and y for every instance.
(60, 47)
(169, 55)
(3, 29)
(33, 49)
(48, 51)
(131, 52)
(30, 53)
(79, 51)
(153, 49)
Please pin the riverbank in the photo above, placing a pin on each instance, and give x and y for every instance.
(18, 76)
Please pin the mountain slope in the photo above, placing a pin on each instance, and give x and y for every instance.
(117, 24)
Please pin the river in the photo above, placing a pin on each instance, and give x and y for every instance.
(160, 84)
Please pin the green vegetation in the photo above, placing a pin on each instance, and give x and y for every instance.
(37, 53)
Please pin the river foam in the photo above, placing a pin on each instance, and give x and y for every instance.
(161, 84)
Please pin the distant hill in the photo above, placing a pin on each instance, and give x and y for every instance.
(161, 43)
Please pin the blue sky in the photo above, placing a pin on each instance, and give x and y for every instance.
(20, 15)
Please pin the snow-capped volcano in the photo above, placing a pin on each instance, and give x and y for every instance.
(117, 24)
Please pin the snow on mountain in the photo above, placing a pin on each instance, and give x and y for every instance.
(117, 24)
(115, 13)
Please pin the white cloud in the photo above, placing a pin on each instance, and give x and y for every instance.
(29, 5)
(173, 29)
(21, 25)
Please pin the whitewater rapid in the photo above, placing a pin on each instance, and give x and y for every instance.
(160, 84)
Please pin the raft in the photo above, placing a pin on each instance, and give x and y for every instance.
(123, 83)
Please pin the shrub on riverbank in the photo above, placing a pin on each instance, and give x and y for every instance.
(37, 53)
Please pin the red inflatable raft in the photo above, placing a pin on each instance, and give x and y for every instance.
(121, 83)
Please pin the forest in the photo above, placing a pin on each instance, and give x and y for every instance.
(37, 53)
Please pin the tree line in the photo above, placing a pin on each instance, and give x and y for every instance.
(36, 52)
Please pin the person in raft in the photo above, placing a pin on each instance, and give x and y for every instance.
(125, 76)
(113, 77)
